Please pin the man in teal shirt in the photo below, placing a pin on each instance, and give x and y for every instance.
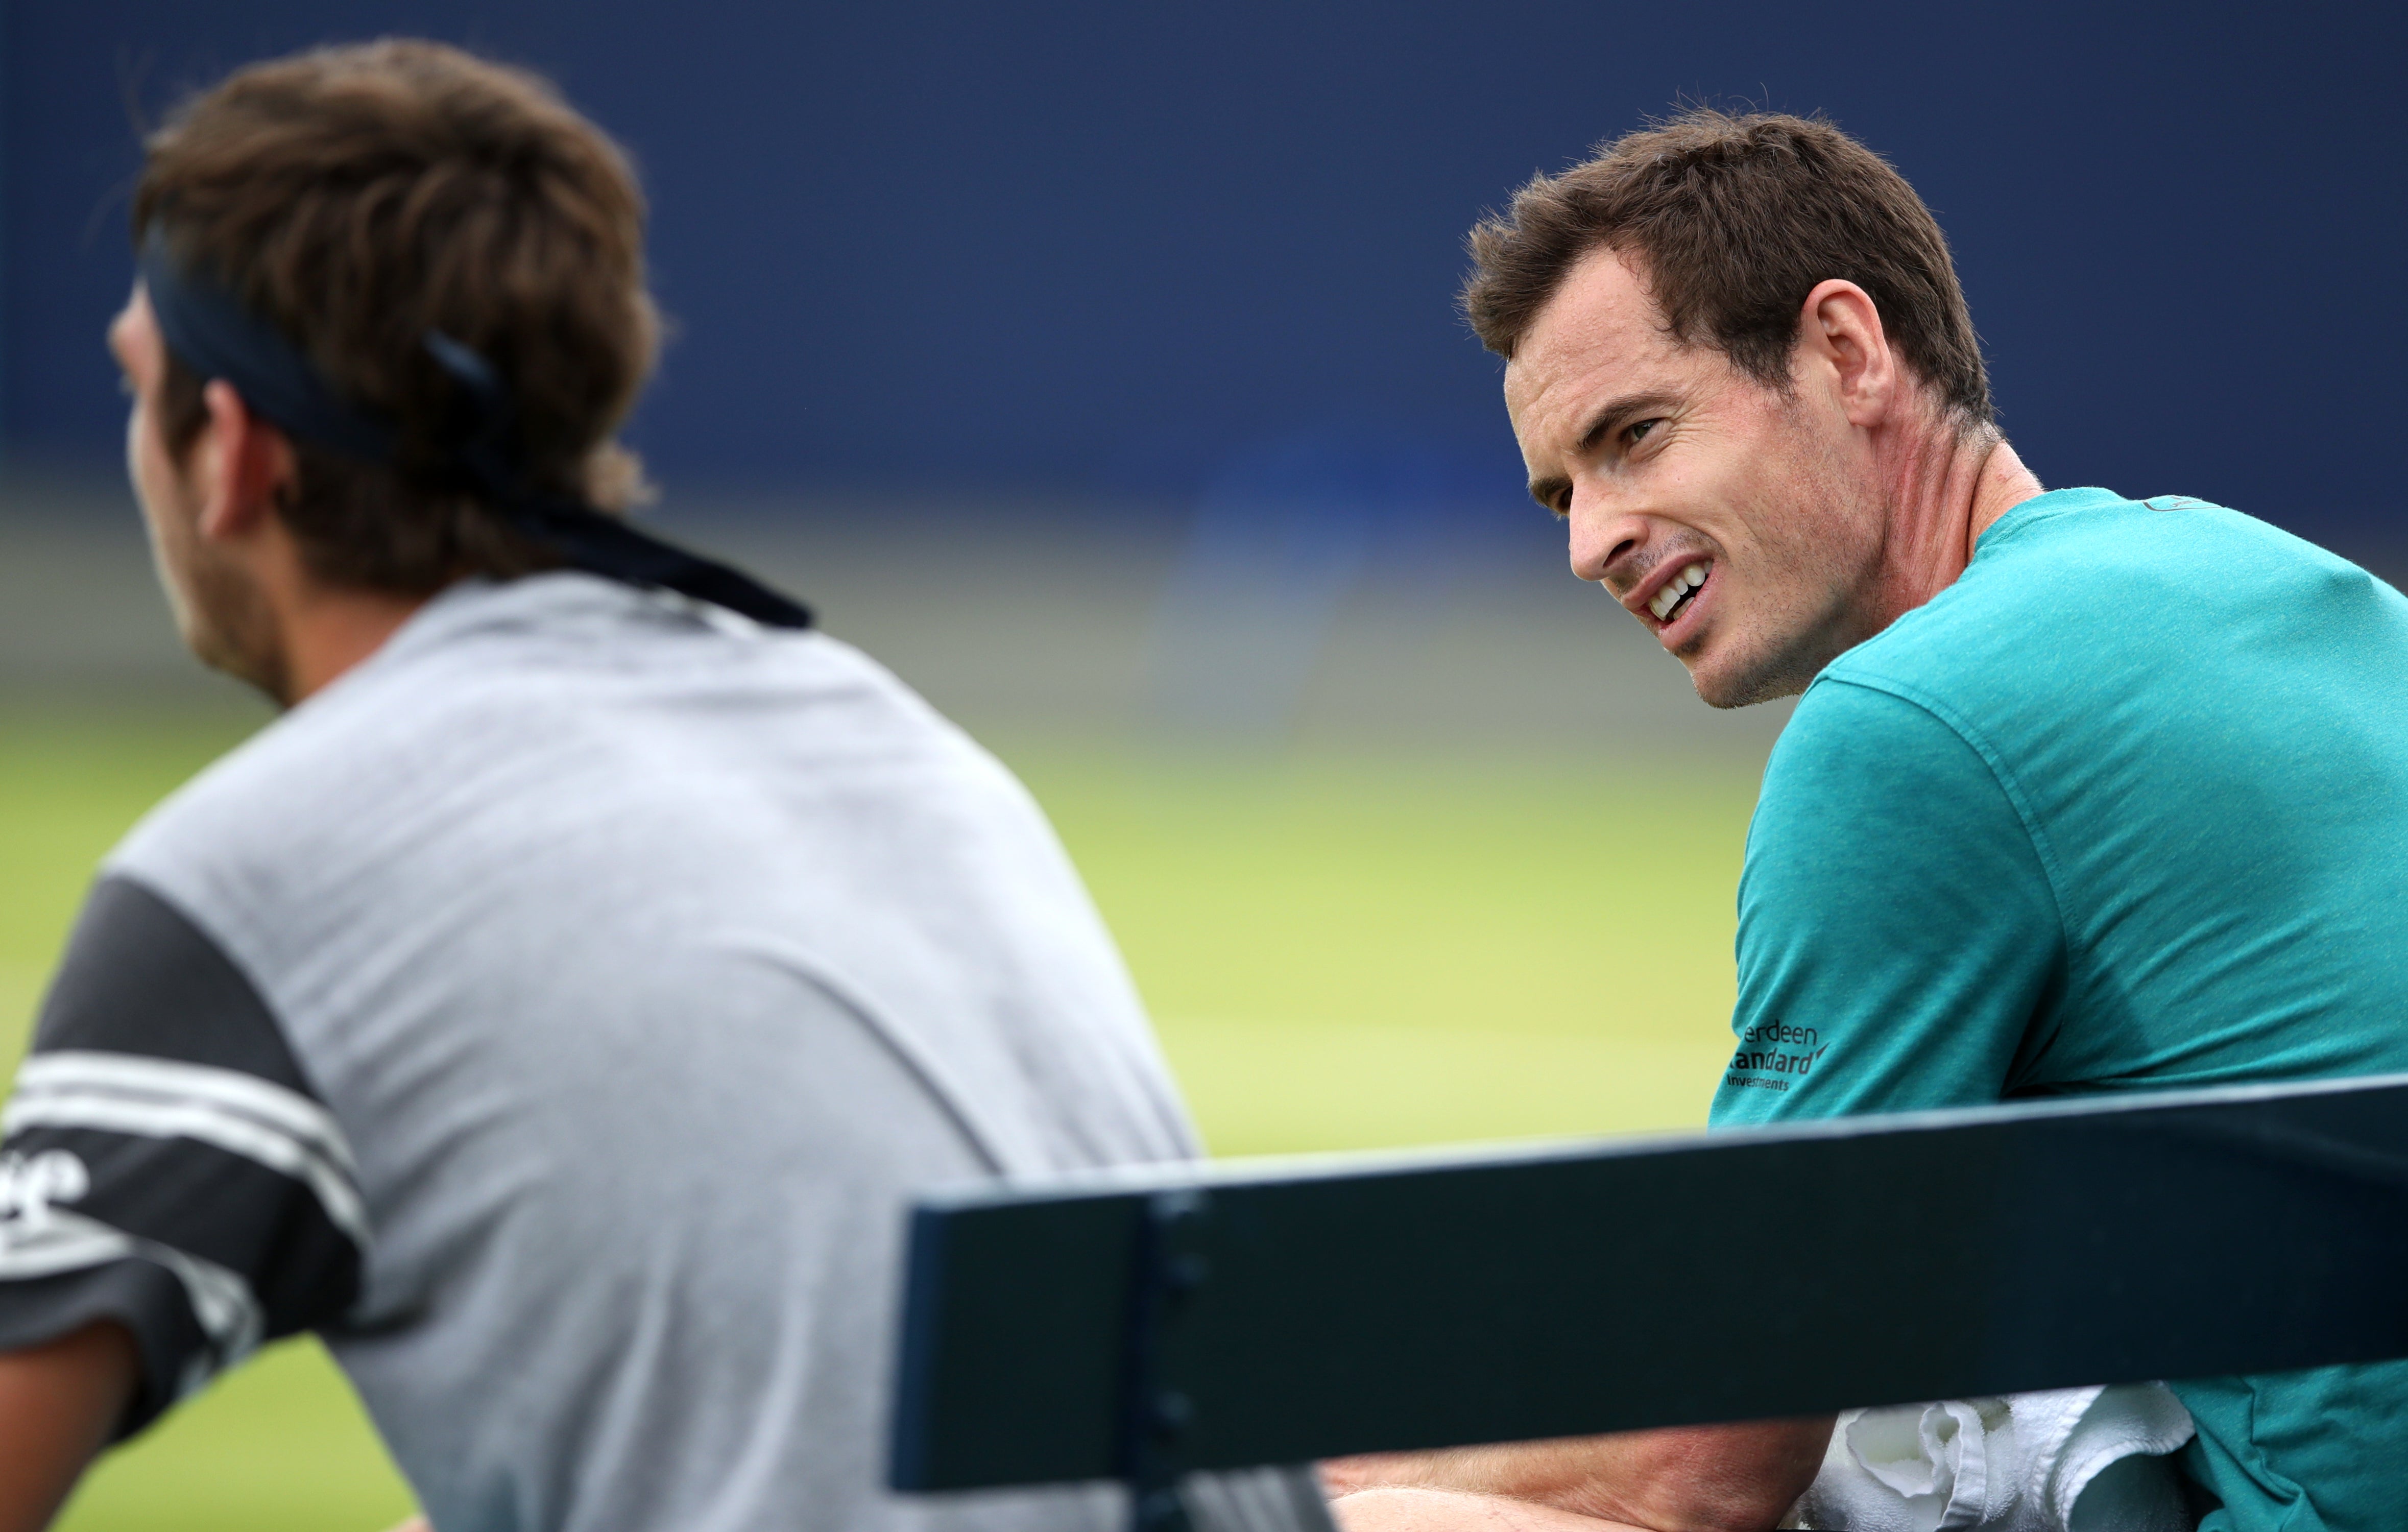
(2084, 794)
(2125, 807)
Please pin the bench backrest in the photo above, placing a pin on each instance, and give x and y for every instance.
(1139, 1325)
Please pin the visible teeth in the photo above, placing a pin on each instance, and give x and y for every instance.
(1688, 579)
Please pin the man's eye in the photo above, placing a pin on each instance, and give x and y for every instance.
(1637, 433)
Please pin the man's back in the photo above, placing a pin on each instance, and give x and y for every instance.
(2125, 807)
(646, 960)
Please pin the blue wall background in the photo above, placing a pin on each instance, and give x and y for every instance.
(1114, 254)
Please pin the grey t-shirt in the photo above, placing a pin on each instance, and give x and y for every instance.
(556, 1014)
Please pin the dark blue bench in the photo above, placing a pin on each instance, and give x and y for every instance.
(1143, 1326)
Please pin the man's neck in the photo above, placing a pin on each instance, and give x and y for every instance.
(2000, 485)
(315, 632)
(328, 632)
(1944, 499)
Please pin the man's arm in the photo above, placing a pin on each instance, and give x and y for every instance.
(1898, 934)
(1395, 1508)
(59, 1404)
(170, 1194)
(1694, 1479)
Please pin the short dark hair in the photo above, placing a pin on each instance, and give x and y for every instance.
(1734, 218)
(358, 197)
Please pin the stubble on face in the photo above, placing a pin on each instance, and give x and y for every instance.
(1816, 527)
(1660, 456)
(221, 612)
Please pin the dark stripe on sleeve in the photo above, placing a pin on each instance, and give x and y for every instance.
(140, 978)
(228, 1210)
(212, 1186)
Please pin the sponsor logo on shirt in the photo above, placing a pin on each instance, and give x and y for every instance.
(1774, 1055)
(29, 1184)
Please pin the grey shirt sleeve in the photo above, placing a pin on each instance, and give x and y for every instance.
(1256, 1500)
(163, 1162)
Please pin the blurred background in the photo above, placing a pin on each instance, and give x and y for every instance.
(1094, 366)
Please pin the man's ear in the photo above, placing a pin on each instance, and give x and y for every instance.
(1840, 333)
(240, 466)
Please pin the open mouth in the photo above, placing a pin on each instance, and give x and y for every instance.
(1673, 599)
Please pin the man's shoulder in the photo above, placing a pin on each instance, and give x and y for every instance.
(504, 711)
(2080, 597)
(2053, 575)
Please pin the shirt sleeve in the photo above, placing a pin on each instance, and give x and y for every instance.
(163, 1162)
(1279, 1500)
(1900, 945)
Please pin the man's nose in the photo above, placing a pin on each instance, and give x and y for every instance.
(1604, 536)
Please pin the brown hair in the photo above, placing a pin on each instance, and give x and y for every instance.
(1735, 219)
(359, 197)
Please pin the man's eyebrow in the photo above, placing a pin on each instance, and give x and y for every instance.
(1616, 411)
(1610, 417)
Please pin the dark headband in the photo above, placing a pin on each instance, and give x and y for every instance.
(209, 331)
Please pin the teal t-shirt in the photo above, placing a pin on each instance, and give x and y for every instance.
(2124, 808)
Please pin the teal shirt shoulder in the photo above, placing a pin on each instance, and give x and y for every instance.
(2125, 807)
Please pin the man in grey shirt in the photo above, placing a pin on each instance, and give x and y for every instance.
(555, 1008)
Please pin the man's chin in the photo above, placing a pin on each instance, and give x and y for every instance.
(1723, 684)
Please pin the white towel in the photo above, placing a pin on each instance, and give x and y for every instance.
(2069, 1460)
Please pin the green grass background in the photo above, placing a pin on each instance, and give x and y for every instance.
(1341, 952)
